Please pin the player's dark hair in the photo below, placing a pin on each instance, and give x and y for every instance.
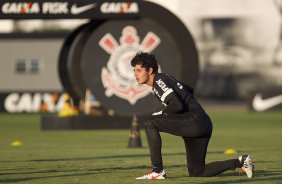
(146, 60)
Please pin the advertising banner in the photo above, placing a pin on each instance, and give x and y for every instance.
(68, 9)
(33, 102)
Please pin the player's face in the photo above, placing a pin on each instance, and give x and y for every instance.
(141, 74)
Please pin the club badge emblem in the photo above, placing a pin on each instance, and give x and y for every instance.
(118, 77)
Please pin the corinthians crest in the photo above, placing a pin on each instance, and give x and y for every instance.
(118, 77)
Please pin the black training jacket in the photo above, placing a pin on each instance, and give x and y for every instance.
(176, 96)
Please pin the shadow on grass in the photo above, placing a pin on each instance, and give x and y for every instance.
(41, 177)
(259, 176)
(85, 173)
(101, 157)
(98, 169)
(92, 158)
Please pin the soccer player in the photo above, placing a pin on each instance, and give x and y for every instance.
(182, 116)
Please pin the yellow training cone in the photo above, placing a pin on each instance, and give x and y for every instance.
(230, 151)
(16, 144)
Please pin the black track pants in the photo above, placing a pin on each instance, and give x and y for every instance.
(195, 133)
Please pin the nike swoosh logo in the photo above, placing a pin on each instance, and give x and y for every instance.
(77, 10)
(260, 104)
(155, 177)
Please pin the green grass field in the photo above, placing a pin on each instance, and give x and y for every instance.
(102, 156)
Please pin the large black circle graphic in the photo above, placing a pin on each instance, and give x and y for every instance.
(64, 74)
(97, 56)
(69, 60)
(106, 69)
